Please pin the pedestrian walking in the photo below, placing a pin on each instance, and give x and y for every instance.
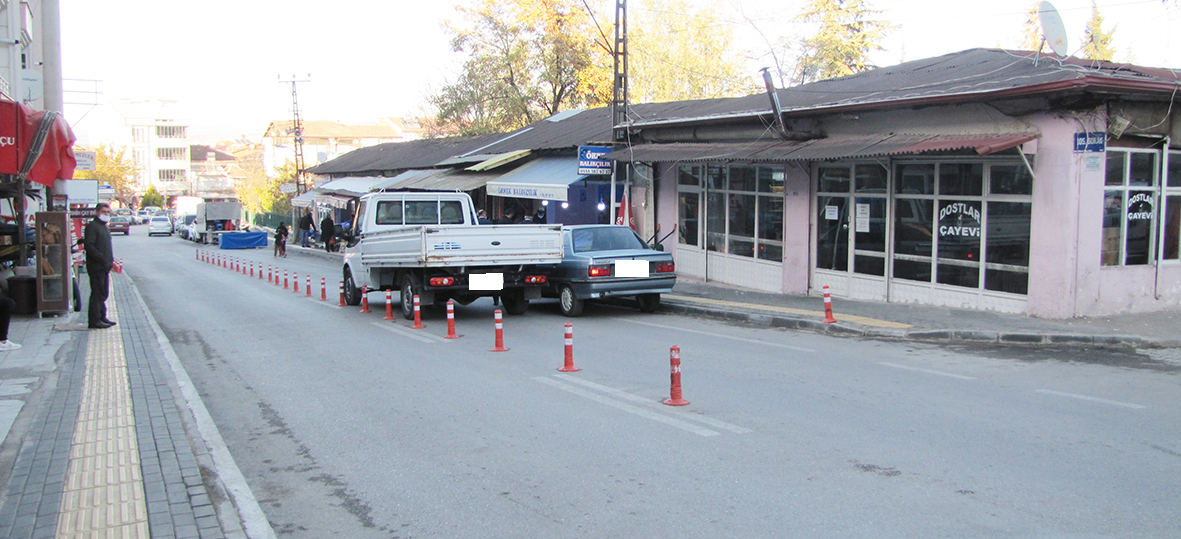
(7, 305)
(99, 259)
(328, 233)
(305, 229)
(281, 240)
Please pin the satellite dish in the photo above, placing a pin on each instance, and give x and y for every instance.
(1053, 32)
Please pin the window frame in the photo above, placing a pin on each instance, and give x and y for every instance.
(713, 179)
(1154, 251)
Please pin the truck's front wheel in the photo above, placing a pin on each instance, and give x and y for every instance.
(410, 287)
(352, 294)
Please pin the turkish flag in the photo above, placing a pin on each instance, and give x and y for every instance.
(625, 214)
(18, 128)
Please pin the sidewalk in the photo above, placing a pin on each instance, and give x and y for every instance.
(101, 439)
(902, 321)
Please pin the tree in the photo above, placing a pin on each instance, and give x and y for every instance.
(1097, 43)
(260, 193)
(151, 198)
(686, 56)
(526, 60)
(1031, 32)
(842, 44)
(114, 168)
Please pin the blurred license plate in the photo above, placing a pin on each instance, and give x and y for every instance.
(486, 281)
(631, 268)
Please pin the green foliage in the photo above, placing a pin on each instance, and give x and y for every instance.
(1031, 32)
(151, 198)
(526, 60)
(841, 45)
(113, 167)
(687, 56)
(1097, 43)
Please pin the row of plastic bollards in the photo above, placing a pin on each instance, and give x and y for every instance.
(676, 396)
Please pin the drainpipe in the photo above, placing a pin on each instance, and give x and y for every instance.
(1164, 177)
(776, 122)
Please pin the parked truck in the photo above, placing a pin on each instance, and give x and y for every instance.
(430, 245)
(215, 218)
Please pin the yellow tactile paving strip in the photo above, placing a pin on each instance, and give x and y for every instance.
(104, 491)
(787, 310)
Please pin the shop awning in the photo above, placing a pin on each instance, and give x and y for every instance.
(437, 179)
(352, 186)
(336, 201)
(35, 144)
(305, 200)
(822, 149)
(544, 178)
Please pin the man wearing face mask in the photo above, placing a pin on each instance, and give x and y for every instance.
(99, 258)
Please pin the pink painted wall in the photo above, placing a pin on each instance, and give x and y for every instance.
(665, 198)
(1065, 276)
(797, 236)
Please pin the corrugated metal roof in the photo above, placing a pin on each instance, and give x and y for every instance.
(437, 180)
(821, 149)
(398, 156)
(354, 187)
(545, 178)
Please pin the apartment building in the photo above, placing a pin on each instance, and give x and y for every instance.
(159, 145)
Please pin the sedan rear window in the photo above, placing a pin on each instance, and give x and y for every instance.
(606, 239)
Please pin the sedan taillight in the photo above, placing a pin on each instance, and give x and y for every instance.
(601, 270)
(665, 267)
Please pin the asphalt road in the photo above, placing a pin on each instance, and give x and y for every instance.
(346, 425)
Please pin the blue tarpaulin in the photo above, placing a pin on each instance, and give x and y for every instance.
(242, 240)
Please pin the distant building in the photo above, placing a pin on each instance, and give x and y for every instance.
(159, 145)
(212, 172)
(326, 140)
(20, 23)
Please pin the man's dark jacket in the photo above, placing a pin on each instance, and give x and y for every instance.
(97, 239)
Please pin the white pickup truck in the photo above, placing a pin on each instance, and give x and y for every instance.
(430, 244)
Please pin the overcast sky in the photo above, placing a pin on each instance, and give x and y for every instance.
(222, 60)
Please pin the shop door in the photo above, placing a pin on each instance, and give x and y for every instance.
(851, 241)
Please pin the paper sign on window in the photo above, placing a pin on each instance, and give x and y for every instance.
(832, 213)
(863, 218)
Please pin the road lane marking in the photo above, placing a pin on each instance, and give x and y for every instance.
(721, 336)
(647, 402)
(424, 337)
(326, 304)
(1092, 399)
(628, 408)
(928, 371)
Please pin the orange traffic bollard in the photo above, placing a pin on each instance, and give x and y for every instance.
(323, 290)
(309, 283)
(389, 306)
(417, 315)
(365, 299)
(569, 365)
(451, 320)
(342, 304)
(674, 397)
(286, 284)
(498, 346)
(295, 282)
(828, 319)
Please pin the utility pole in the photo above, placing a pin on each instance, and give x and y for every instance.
(619, 99)
(297, 132)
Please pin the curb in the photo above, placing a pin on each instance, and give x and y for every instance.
(848, 329)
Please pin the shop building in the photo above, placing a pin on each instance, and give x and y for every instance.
(984, 179)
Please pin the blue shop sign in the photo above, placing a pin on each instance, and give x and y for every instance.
(1091, 141)
(591, 162)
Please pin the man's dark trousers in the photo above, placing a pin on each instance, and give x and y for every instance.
(100, 286)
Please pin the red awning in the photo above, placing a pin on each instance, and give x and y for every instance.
(19, 126)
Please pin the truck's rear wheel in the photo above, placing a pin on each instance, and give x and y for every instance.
(515, 302)
(649, 303)
(352, 294)
(410, 287)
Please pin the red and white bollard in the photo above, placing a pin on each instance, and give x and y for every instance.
(286, 284)
(260, 271)
(342, 304)
(270, 268)
(295, 282)
(365, 299)
(323, 290)
(569, 365)
(417, 315)
(252, 269)
(828, 319)
(389, 306)
(451, 320)
(309, 283)
(498, 346)
(674, 392)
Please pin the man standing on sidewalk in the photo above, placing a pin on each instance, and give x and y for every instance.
(305, 229)
(99, 258)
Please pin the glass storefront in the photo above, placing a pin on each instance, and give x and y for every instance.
(741, 205)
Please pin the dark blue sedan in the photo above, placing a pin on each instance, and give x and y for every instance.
(607, 261)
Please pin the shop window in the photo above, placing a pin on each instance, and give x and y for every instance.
(869, 223)
(961, 179)
(742, 224)
(688, 208)
(914, 179)
(689, 175)
(742, 178)
(1007, 247)
(770, 180)
(1009, 180)
(1129, 208)
(871, 179)
(833, 179)
(832, 234)
(1171, 233)
(715, 177)
(771, 228)
(715, 223)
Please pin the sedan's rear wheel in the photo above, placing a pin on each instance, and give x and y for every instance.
(571, 305)
(649, 303)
